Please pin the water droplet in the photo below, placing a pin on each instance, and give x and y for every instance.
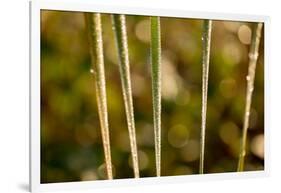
(92, 71)
(243, 152)
(248, 78)
(251, 89)
(253, 56)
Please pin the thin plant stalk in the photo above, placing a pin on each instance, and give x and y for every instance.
(156, 87)
(94, 29)
(206, 46)
(119, 27)
(253, 57)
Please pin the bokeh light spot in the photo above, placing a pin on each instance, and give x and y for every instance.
(102, 171)
(142, 31)
(190, 152)
(88, 175)
(178, 136)
(229, 133)
(228, 88)
(245, 34)
(257, 146)
(143, 160)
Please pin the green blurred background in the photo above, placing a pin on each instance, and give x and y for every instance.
(71, 146)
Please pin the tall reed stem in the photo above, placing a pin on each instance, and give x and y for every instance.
(156, 87)
(253, 57)
(94, 28)
(119, 26)
(206, 46)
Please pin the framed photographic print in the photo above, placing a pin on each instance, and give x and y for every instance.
(132, 96)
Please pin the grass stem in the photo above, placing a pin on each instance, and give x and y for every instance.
(119, 26)
(94, 29)
(206, 46)
(253, 57)
(156, 87)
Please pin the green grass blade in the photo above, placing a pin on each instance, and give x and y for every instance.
(253, 57)
(156, 87)
(206, 46)
(94, 29)
(119, 26)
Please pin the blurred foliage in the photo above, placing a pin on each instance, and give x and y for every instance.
(71, 146)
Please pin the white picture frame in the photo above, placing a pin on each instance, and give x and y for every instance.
(87, 6)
